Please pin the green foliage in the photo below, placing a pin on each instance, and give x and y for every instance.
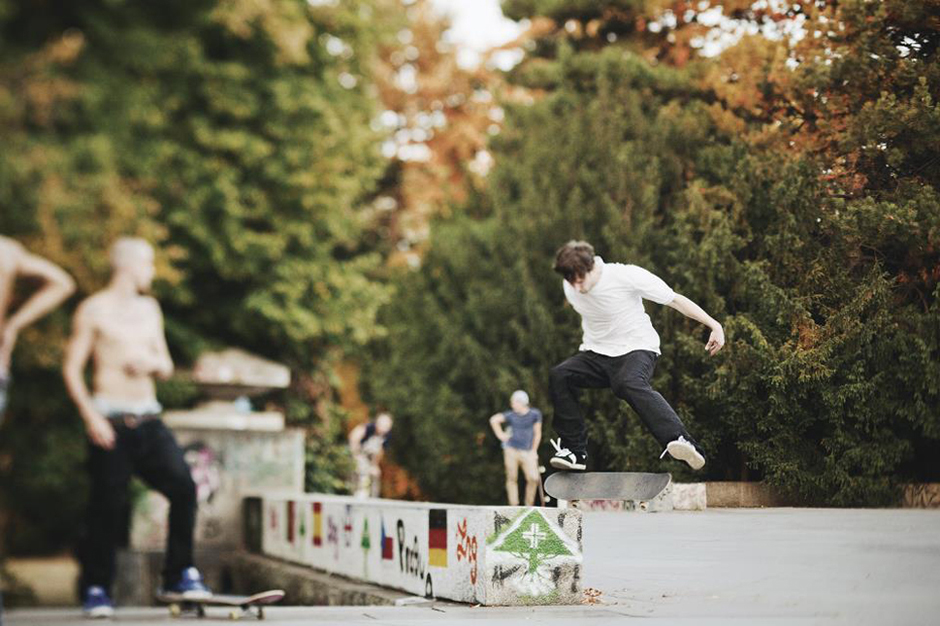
(820, 260)
(230, 136)
(329, 465)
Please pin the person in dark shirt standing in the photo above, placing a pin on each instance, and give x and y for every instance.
(520, 445)
(367, 443)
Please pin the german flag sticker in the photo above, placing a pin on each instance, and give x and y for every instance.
(437, 537)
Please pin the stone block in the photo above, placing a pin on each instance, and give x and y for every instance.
(742, 494)
(227, 465)
(239, 368)
(921, 496)
(480, 555)
(689, 496)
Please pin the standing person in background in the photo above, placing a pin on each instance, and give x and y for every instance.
(17, 262)
(520, 445)
(368, 442)
(121, 330)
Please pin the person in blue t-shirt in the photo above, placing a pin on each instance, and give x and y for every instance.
(520, 445)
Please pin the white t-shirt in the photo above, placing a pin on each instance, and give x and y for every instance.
(612, 313)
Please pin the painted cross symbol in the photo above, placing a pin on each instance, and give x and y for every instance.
(534, 535)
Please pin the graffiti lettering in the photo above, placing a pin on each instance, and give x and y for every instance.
(409, 559)
(212, 528)
(332, 535)
(347, 526)
(500, 575)
(467, 550)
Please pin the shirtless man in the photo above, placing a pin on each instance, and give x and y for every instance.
(15, 262)
(122, 331)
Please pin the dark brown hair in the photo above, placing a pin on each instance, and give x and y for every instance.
(574, 260)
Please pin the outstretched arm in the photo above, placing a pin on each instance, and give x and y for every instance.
(58, 286)
(716, 340)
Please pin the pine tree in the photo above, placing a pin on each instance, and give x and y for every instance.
(789, 190)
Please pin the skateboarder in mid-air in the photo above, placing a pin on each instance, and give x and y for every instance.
(619, 351)
(121, 330)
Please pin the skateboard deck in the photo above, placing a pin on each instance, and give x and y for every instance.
(240, 605)
(635, 486)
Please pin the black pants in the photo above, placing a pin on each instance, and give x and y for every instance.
(628, 376)
(150, 451)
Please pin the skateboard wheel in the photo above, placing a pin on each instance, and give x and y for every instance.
(200, 610)
(175, 610)
(235, 614)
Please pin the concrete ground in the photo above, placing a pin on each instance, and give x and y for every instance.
(728, 566)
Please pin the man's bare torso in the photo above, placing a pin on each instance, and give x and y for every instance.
(127, 331)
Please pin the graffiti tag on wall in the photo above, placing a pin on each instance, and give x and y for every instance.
(467, 549)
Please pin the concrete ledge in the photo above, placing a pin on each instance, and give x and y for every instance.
(921, 496)
(743, 495)
(251, 573)
(481, 555)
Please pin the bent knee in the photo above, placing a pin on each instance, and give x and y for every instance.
(183, 488)
(559, 375)
(631, 385)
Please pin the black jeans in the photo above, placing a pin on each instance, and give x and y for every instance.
(150, 451)
(628, 376)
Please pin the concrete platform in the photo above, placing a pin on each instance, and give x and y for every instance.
(754, 566)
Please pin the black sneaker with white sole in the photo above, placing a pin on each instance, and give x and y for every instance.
(683, 450)
(565, 459)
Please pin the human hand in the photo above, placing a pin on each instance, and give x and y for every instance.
(100, 431)
(716, 340)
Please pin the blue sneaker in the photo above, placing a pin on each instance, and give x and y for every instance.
(97, 603)
(190, 585)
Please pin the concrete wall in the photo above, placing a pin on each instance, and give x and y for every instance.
(227, 465)
(480, 555)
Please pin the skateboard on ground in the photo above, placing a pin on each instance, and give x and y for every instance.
(635, 486)
(241, 606)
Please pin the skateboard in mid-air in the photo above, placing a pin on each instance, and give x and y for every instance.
(635, 486)
(240, 606)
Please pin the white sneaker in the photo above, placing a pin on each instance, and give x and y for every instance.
(682, 450)
(565, 459)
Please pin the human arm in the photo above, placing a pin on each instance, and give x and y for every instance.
(496, 423)
(77, 352)
(355, 438)
(57, 286)
(716, 340)
(536, 436)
